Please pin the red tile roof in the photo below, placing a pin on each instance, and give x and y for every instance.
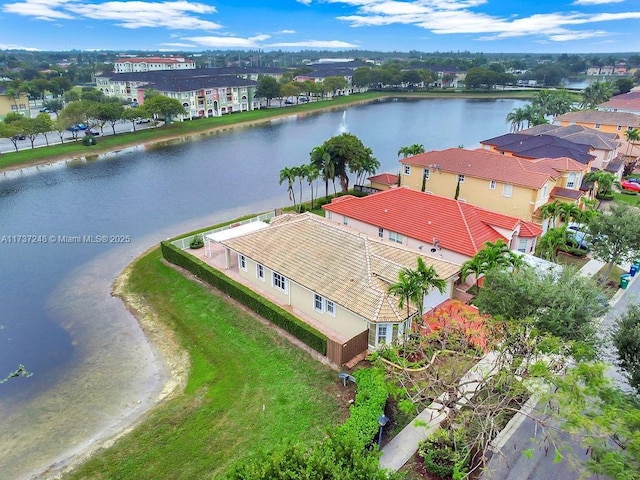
(385, 178)
(459, 227)
(493, 166)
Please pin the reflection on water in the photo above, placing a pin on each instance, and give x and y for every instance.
(93, 370)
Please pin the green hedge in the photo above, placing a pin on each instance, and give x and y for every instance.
(371, 398)
(246, 296)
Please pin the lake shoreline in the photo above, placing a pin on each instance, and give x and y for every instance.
(53, 159)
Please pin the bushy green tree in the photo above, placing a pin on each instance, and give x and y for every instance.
(616, 236)
(163, 107)
(563, 304)
(626, 339)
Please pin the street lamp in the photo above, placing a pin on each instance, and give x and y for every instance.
(382, 421)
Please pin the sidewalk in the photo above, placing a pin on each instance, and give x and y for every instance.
(404, 445)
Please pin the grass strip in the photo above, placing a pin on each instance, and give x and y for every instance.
(248, 388)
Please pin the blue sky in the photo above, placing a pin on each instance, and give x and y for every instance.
(545, 26)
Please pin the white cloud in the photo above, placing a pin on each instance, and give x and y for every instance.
(457, 17)
(304, 2)
(178, 45)
(11, 46)
(285, 32)
(595, 2)
(314, 44)
(137, 14)
(228, 42)
(178, 14)
(40, 9)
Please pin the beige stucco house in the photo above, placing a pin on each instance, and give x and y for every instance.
(331, 275)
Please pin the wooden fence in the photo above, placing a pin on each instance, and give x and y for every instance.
(341, 353)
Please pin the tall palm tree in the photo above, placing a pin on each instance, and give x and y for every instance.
(312, 174)
(406, 289)
(321, 158)
(632, 136)
(301, 174)
(516, 117)
(289, 175)
(475, 265)
(493, 255)
(551, 210)
(426, 279)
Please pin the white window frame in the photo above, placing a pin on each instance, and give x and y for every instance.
(460, 178)
(330, 307)
(242, 262)
(544, 192)
(426, 173)
(381, 232)
(318, 303)
(571, 180)
(380, 329)
(522, 245)
(260, 271)
(345, 220)
(507, 190)
(407, 169)
(280, 282)
(492, 184)
(396, 237)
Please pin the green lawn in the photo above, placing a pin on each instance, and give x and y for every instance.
(632, 199)
(248, 388)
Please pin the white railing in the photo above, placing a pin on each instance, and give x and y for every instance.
(184, 242)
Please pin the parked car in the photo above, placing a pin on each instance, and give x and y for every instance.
(44, 110)
(303, 99)
(93, 132)
(288, 102)
(143, 120)
(633, 179)
(19, 136)
(627, 185)
(77, 128)
(581, 238)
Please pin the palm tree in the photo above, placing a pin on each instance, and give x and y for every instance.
(288, 174)
(312, 174)
(551, 210)
(516, 117)
(321, 158)
(632, 136)
(605, 181)
(301, 174)
(365, 166)
(493, 255)
(406, 289)
(475, 265)
(426, 278)
(569, 211)
(411, 150)
(551, 242)
(596, 93)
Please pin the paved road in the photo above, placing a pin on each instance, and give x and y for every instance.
(511, 464)
(7, 146)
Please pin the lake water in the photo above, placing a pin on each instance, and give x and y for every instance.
(93, 371)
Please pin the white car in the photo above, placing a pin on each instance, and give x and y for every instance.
(143, 120)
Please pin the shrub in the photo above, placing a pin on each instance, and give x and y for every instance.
(371, 398)
(197, 242)
(445, 453)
